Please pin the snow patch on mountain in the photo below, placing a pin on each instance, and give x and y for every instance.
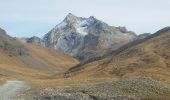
(81, 37)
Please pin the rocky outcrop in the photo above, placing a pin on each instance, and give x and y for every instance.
(84, 38)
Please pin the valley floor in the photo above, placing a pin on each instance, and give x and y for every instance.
(99, 89)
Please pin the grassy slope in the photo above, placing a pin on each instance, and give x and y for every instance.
(148, 58)
(41, 63)
(43, 67)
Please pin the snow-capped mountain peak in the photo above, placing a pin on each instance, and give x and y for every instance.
(79, 36)
(70, 16)
(78, 23)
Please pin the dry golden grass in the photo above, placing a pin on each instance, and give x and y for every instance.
(53, 57)
(150, 58)
(15, 68)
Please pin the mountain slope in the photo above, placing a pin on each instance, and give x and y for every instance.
(149, 57)
(22, 61)
(84, 38)
(11, 46)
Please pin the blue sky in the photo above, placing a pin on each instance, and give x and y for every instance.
(25, 18)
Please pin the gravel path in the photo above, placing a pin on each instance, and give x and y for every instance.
(11, 89)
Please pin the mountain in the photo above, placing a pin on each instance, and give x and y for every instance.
(148, 57)
(85, 38)
(11, 46)
(28, 61)
(144, 35)
(138, 70)
(33, 40)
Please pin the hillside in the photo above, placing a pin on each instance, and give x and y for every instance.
(149, 57)
(138, 70)
(28, 61)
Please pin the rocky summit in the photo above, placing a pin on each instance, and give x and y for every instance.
(84, 38)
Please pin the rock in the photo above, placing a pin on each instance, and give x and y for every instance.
(84, 38)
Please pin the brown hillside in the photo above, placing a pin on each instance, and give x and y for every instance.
(149, 57)
(23, 61)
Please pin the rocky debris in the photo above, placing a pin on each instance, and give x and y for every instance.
(131, 88)
(11, 46)
(53, 94)
(84, 38)
(127, 89)
(66, 96)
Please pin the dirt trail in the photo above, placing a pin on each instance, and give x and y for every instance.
(10, 89)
